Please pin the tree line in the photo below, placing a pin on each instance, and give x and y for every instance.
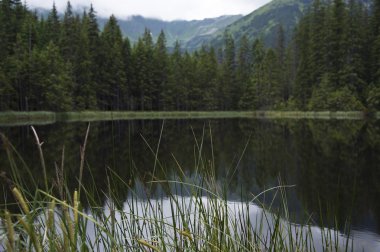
(67, 63)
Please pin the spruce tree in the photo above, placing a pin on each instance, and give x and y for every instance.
(8, 29)
(280, 65)
(18, 72)
(375, 20)
(8, 95)
(174, 94)
(94, 49)
(271, 93)
(53, 26)
(337, 37)
(84, 89)
(204, 89)
(51, 81)
(143, 68)
(354, 72)
(140, 85)
(230, 89)
(302, 89)
(112, 78)
(149, 54)
(375, 43)
(244, 64)
(254, 91)
(160, 78)
(189, 78)
(318, 48)
(69, 37)
(129, 75)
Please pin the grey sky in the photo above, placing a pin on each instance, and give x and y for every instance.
(163, 9)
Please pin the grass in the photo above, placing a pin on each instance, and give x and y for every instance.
(29, 118)
(202, 221)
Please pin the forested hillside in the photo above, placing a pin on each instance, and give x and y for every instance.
(62, 64)
(261, 23)
(181, 30)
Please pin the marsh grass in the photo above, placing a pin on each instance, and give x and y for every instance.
(204, 220)
(27, 118)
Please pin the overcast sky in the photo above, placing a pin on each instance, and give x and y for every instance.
(163, 9)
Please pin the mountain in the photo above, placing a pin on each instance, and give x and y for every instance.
(133, 27)
(180, 30)
(261, 23)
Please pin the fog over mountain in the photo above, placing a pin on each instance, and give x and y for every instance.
(164, 9)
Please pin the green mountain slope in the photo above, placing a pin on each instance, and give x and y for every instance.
(261, 23)
(181, 30)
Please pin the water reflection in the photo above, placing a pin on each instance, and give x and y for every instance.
(262, 223)
(335, 165)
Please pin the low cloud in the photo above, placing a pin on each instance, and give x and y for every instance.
(163, 9)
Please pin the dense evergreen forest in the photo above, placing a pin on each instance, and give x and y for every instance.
(66, 63)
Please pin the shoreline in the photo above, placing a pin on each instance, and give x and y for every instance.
(48, 117)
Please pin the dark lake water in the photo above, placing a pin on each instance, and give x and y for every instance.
(334, 165)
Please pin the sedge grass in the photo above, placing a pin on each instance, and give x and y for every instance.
(27, 118)
(175, 223)
(204, 220)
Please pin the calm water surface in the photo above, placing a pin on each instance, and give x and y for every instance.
(334, 165)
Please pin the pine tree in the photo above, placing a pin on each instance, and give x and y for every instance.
(27, 42)
(254, 91)
(84, 89)
(337, 42)
(244, 64)
(280, 44)
(189, 78)
(280, 65)
(211, 102)
(29, 32)
(51, 79)
(375, 42)
(354, 72)
(375, 20)
(112, 82)
(174, 94)
(327, 97)
(8, 95)
(230, 90)
(5, 26)
(160, 79)
(18, 70)
(140, 83)
(129, 80)
(204, 89)
(195, 93)
(94, 49)
(290, 75)
(271, 88)
(53, 26)
(144, 68)
(69, 38)
(303, 85)
(318, 48)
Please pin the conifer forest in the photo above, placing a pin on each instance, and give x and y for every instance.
(331, 61)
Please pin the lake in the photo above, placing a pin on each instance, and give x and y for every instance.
(329, 169)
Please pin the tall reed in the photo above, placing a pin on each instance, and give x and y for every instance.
(203, 220)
